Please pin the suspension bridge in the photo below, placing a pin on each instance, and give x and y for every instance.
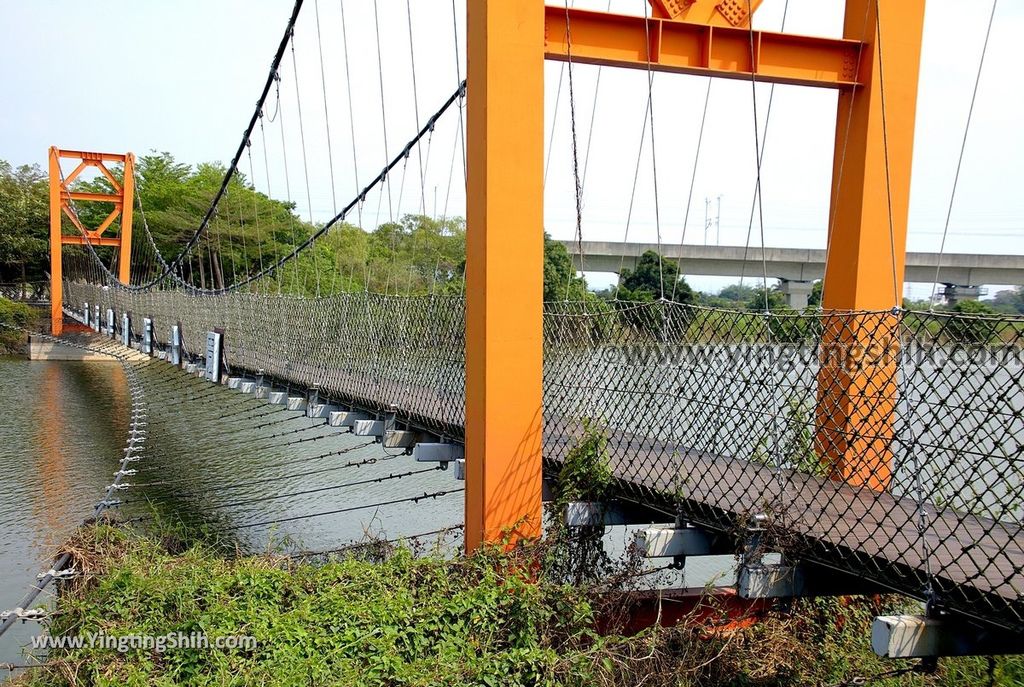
(878, 449)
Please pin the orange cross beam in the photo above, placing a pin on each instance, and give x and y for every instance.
(669, 45)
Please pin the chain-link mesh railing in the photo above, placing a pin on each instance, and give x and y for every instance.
(885, 443)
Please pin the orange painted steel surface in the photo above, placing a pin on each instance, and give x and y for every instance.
(620, 40)
(504, 270)
(871, 188)
(867, 241)
(721, 12)
(61, 199)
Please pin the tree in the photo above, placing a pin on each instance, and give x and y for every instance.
(654, 278)
(737, 293)
(1010, 301)
(978, 327)
(776, 300)
(24, 223)
(814, 299)
(561, 283)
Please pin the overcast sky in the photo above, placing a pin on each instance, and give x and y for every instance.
(183, 77)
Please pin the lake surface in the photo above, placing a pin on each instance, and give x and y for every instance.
(206, 462)
(213, 458)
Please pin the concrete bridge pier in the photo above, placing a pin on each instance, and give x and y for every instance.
(797, 293)
(954, 293)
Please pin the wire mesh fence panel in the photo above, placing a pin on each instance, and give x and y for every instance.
(886, 443)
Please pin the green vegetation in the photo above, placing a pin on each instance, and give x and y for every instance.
(654, 278)
(24, 223)
(394, 618)
(14, 315)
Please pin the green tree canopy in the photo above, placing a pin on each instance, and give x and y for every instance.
(653, 277)
(24, 223)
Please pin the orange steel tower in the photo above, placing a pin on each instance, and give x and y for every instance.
(61, 197)
(508, 41)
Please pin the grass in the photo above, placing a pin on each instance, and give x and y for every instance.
(398, 617)
(552, 613)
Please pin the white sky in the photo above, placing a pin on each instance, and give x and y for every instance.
(183, 77)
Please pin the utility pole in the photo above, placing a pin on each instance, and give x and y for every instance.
(718, 221)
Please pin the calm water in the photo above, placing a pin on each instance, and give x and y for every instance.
(214, 458)
(63, 429)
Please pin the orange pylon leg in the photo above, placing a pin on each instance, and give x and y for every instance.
(867, 245)
(504, 270)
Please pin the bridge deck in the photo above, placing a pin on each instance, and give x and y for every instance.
(975, 557)
(961, 550)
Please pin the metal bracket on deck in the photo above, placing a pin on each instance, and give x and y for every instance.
(345, 418)
(670, 541)
(213, 347)
(368, 428)
(442, 453)
(782, 581)
(400, 438)
(593, 514)
(915, 636)
(175, 352)
(147, 336)
(322, 410)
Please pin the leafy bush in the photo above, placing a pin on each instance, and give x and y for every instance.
(400, 619)
(14, 315)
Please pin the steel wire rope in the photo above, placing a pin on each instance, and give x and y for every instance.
(375, 542)
(233, 486)
(319, 490)
(416, 104)
(280, 464)
(279, 54)
(133, 446)
(327, 115)
(776, 417)
(276, 246)
(632, 199)
(960, 157)
(593, 115)
(654, 148)
(577, 186)
(455, 98)
(255, 203)
(755, 202)
(383, 107)
(930, 591)
(411, 499)
(305, 167)
(693, 182)
(351, 110)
